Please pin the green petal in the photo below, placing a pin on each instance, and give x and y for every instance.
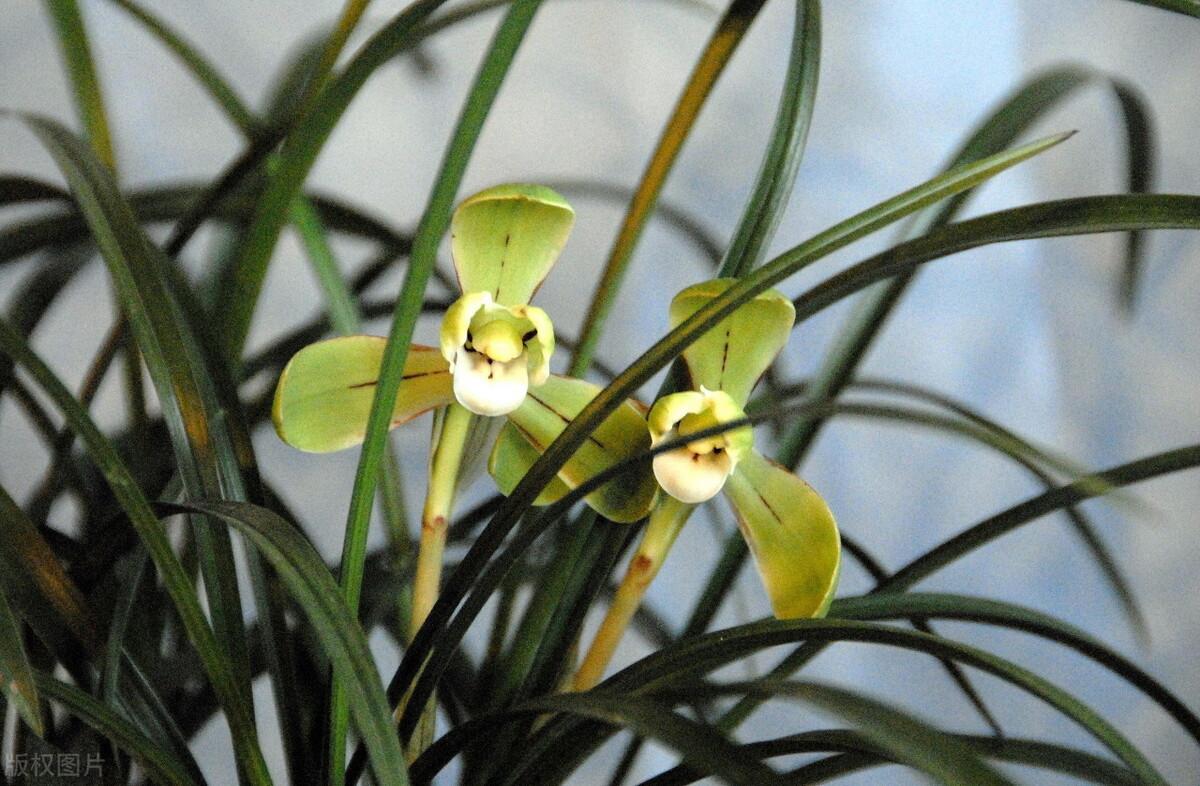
(505, 239)
(545, 413)
(791, 533)
(738, 349)
(325, 392)
(511, 458)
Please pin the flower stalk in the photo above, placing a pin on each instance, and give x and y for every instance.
(449, 444)
(666, 521)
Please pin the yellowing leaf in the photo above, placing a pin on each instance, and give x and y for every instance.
(505, 240)
(325, 392)
(791, 533)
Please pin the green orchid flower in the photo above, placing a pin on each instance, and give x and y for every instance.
(493, 360)
(790, 531)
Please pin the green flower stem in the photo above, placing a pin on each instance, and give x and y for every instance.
(666, 520)
(443, 476)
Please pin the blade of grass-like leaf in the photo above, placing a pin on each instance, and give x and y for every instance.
(1078, 519)
(184, 386)
(656, 358)
(1185, 7)
(716, 55)
(16, 676)
(81, 70)
(907, 739)
(314, 589)
(704, 653)
(173, 576)
(16, 189)
(1140, 154)
(433, 225)
(35, 581)
(860, 753)
(777, 174)
(200, 67)
(696, 743)
(894, 605)
(157, 761)
(992, 528)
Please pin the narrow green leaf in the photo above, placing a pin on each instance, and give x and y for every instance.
(184, 384)
(175, 579)
(724, 41)
(908, 740)
(81, 69)
(860, 753)
(16, 676)
(777, 174)
(1185, 7)
(315, 591)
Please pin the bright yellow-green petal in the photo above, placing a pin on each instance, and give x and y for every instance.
(511, 458)
(324, 394)
(791, 533)
(506, 239)
(670, 409)
(738, 349)
(545, 413)
(456, 323)
(541, 346)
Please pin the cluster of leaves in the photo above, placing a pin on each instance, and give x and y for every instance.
(104, 621)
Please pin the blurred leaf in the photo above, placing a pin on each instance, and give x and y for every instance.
(860, 753)
(81, 69)
(730, 31)
(16, 677)
(314, 589)
(15, 189)
(173, 576)
(157, 760)
(1186, 7)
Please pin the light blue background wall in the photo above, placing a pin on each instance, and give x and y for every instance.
(1026, 332)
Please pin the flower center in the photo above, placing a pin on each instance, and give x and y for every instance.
(697, 471)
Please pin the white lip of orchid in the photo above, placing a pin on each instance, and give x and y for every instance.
(696, 471)
(495, 352)
(692, 477)
(489, 387)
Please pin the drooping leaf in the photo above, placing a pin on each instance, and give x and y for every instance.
(16, 676)
(541, 418)
(157, 760)
(315, 591)
(736, 351)
(325, 392)
(791, 533)
(505, 240)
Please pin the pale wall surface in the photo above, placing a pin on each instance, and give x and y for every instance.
(1028, 332)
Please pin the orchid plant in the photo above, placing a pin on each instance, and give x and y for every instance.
(163, 570)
